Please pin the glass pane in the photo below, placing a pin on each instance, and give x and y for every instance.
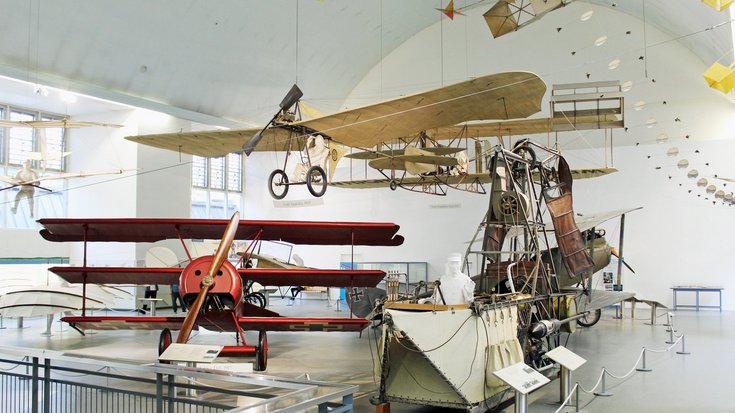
(234, 172)
(217, 173)
(234, 203)
(217, 204)
(199, 204)
(199, 171)
(20, 140)
(51, 141)
(2, 136)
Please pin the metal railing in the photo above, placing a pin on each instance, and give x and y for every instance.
(34, 381)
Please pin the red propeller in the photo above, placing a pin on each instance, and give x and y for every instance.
(208, 281)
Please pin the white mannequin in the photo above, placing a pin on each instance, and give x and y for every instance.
(24, 175)
(456, 287)
(317, 152)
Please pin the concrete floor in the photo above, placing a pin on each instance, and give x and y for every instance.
(678, 383)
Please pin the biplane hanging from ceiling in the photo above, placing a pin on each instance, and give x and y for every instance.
(413, 141)
(212, 287)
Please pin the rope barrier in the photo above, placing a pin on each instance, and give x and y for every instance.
(641, 358)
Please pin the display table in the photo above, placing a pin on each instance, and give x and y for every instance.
(152, 302)
(697, 290)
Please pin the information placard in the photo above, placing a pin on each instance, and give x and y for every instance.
(197, 353)
(522, 377)
(566, 358)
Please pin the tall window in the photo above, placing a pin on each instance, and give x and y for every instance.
(216, 186)
(44, 147)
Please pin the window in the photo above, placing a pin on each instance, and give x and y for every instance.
(19, 144)
(216, 186)
(20, 139)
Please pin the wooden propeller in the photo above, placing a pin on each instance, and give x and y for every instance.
(208, 281)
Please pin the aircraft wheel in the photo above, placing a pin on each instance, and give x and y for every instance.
(256, 298)
(316, 181)
(393, 184)
(278, 184)
(590, 319)
(164, 341)
(261, 354)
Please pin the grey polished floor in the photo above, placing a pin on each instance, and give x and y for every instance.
(700, 381)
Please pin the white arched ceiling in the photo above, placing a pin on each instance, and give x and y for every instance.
(230, 62)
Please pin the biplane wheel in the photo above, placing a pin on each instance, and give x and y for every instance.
(261, 354)
(164, 340)
(316, 181)
(393, 184)
(590, 319)
(256, 298)
(278, 184)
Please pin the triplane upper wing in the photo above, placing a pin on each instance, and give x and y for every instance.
(216, 291)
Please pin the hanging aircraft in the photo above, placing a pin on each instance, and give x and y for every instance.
(29, 179)
(418, 142)
(211, 286)
(507, 16)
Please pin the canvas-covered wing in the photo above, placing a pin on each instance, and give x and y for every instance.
(403, 162)
(67, 175)
(586, 222)
(415, 180)
(157, 229)
(601, 299)
(310, 277)
(118, 275)
(521, 126)
(507, 95)
(436, 150)
(60, 123)
(246, 323)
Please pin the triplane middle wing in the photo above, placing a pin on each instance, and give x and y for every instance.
(211, 287)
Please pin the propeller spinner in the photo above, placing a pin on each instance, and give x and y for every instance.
(208, 280)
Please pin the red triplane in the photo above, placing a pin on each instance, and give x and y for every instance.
(211, 286)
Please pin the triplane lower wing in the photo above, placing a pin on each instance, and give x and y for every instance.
(211, 287)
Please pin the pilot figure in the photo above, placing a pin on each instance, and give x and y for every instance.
(455, 286)
(317, 151)
(24, 175)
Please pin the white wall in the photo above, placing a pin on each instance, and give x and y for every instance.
(674, 240)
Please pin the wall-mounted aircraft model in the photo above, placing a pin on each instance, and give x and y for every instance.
(210, 285)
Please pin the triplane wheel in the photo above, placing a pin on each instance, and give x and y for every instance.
(393, 184)
(590, 319)
(316, 181)
(261, 353)
(278, 184)
(164, 340)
